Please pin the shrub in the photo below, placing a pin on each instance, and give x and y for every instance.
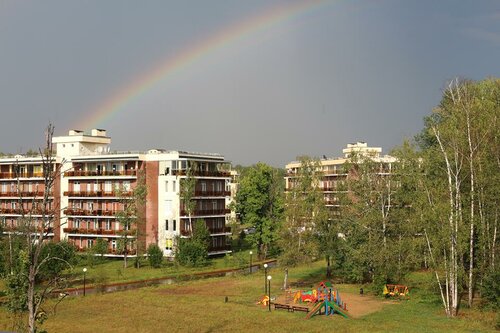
(490, 290)
(155, 256)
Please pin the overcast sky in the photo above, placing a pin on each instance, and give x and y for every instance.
(309, 84)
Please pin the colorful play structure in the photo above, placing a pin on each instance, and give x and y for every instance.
(396, 290)
(327, 301)
(325, 298)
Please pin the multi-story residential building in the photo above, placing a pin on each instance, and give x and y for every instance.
(21, 195)
(95, 185)
(333, 172)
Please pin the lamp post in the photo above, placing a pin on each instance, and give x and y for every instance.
(84, 271)
(269, 291)
(251, 261)
(265, 279)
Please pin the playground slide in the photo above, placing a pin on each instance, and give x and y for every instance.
(314, 310)
(337, 309)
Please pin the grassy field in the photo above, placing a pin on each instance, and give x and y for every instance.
(199, 306)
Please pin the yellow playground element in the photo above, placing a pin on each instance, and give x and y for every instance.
(264, 300)
(391, 290)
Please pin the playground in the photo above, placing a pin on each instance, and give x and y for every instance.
(354, 305)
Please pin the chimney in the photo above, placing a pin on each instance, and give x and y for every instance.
(98, 132)
(74, 132)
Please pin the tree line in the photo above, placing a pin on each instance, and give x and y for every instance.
(436, 208)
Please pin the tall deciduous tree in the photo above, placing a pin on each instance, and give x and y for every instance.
(131, 215)
(462, 167)
(35, 261)
(305, 212)
(259, 204)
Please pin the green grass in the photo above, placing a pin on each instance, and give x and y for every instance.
(198, 306)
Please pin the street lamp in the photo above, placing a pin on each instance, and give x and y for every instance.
(251, 261)
(269, 291)
(84, 271)
(265, 277)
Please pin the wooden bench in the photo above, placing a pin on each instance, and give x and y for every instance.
(282, 306)
(300, 308)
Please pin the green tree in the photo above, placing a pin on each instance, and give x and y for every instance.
(259, 204)
(132, 217)
(187, 192)
(305, 212)
(193, 251)
(155, 256)
(461, 162)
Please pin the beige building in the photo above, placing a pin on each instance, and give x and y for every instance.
(333, 171)
(94, 185)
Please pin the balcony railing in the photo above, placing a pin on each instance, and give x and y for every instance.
(13, 175)
(96, 194)
(100, 173)
(22, 193)
(108, 251)
(212, 231)
(206, 212)
(85, 231)
(88, 212)
(200, 193)
(19, 211)
(219, 248)
(202, 173)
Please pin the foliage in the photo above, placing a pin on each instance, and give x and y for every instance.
(59, 257)
(131, 217)
(155, 256)
(193, 252)
(305, 213)
(490, 289)
(259, 204)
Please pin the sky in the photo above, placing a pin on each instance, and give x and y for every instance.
(260, 80)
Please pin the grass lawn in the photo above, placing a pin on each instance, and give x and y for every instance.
(199, 306)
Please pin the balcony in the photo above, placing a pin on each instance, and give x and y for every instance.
(100, 173)
(203, 173)
(224, 248)
(97, 194)
(19, 211)
(87, 212)
(85, 231)
(22, 193)
(13, 175)
(199, 193)
(205, 212)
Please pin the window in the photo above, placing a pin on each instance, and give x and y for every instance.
(76, 186)
(173, 186)
(174, 225)
(166, 186)
(77, 223)
(166, 225)
(90, 206)
(96, 186)
(90, 243)
(203, 186)
(107, 225)
(113, 245)
(108, 186)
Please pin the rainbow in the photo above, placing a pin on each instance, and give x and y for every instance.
(192, 54)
